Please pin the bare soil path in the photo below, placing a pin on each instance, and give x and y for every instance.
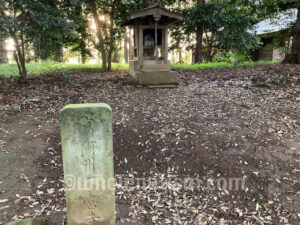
(219, 124)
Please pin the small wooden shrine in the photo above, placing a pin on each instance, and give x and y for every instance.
(149, 63)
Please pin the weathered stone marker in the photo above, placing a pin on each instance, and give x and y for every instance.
(86, 132)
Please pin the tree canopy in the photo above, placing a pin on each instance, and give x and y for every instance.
(209, 26)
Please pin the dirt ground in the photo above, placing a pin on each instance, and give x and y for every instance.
(218, 124)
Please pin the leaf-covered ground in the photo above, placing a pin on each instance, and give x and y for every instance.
(218, 124)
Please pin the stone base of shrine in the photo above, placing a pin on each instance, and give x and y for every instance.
(157, 78)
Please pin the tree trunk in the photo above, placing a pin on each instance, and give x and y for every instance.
(58, 53)
(180, 55)
(83, 52)
(19, 55)
(83, 56)
(116, 58)
(3, 52)
(294, 56)
(209, 53)
(112, 35)
(43, 49)
(99, 34)
(209, 58)
(199, 37)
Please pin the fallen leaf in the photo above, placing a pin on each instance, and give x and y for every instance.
(3, 200)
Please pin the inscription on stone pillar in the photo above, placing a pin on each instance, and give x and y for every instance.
(86, 132)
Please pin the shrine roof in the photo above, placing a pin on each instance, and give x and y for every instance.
(280, 22)
(155, 10)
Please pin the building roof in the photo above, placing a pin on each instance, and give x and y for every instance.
(282, 21)
(155, 10)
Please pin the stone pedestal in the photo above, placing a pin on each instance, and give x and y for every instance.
(86, 132)
(158, 78)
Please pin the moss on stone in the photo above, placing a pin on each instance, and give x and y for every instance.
(26, 222)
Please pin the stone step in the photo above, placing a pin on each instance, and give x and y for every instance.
(162, 86)
(156, 67)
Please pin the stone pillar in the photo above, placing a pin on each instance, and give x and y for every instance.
(86, 132)
(141, 45)
(126, 49)
(166, 44)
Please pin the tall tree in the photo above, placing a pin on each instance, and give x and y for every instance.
(13, 18)
(24, 20)
(112, 30)
(3, 52)
(48, 43)
(79, 42)
(177, 39)
(199, 36)
(225, 27)
(108, 29)
(105, 28)
(99, 30)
